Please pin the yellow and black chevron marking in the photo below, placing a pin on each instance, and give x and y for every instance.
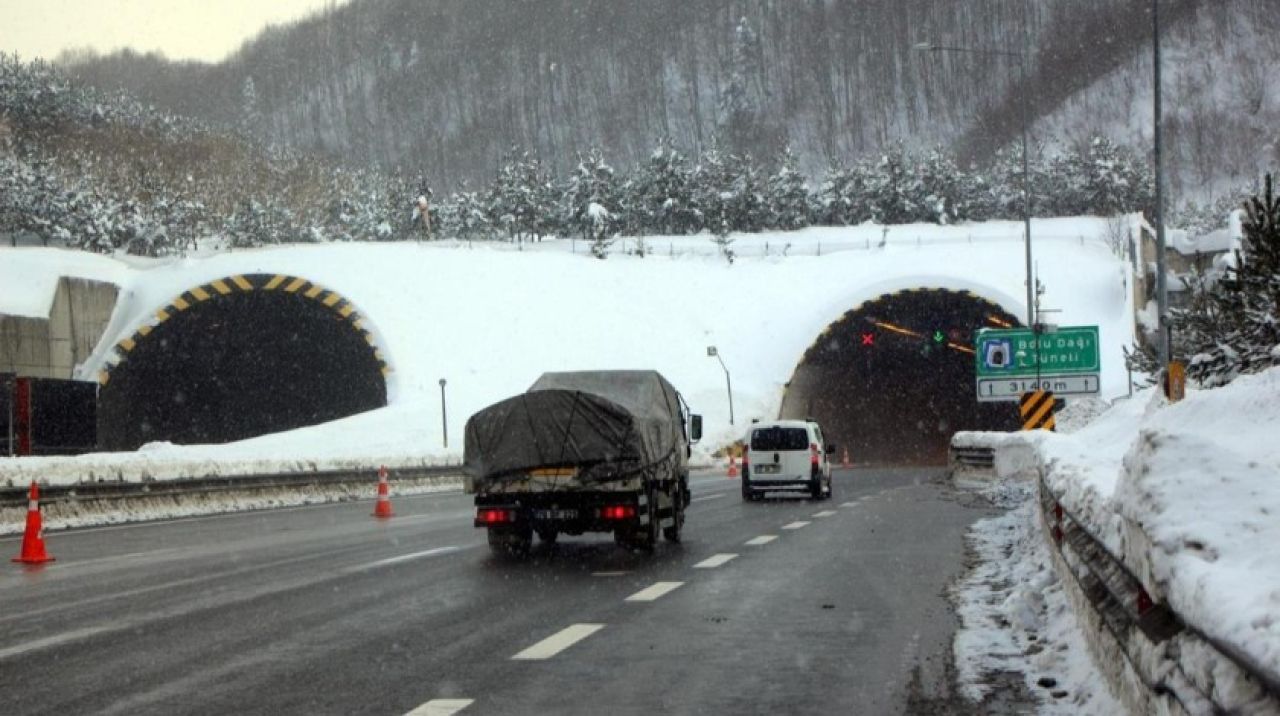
(244, 284)
(1036, 408)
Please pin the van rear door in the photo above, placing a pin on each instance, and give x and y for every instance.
(780, 453)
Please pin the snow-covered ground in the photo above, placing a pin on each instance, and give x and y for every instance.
(1016, 618)
(490, 319)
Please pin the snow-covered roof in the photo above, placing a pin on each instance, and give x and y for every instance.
(29, 277)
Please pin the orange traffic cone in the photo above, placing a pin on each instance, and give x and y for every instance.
(383, 507)
(33, 539)
(844, 459)
(733, 464)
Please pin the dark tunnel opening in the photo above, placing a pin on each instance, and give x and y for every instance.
(240, 365)
(893, 379)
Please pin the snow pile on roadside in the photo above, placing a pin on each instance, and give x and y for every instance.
(68, 514)
(1203, 482)
(1015, 617)
(1199, 482)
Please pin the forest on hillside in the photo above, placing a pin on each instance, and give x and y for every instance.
(449, 86)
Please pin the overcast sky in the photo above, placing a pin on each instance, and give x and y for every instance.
(181, 29)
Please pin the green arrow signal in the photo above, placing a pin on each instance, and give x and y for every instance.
(939, 336)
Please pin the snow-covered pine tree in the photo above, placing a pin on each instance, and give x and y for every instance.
(1246, 301)
(250, 111)
(663, 194)
(590, 201)
(789, 204)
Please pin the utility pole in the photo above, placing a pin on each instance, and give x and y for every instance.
(444, 414)
(1162, 289)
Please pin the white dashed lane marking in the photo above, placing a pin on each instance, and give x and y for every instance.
(824, 513)
(650, 593)
(609, 574)
(848, 504)
(714, 561)
(795, 525)
(558, 642)
(762, 539)
(706, 497)
(441, 707)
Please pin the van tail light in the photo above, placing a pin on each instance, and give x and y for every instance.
(815, 455)
(746, 460)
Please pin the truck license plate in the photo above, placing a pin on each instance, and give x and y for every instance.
(769, 469)
(555, 514)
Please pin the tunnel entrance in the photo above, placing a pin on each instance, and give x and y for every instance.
(893, 379)
(238, 358)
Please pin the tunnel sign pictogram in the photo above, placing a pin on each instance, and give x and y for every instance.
(1014, 361)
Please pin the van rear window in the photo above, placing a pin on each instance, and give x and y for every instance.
(778, 438)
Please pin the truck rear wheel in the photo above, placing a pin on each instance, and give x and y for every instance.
(548, 534)
(678, 501)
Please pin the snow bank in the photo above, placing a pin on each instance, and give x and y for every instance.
(1189, 496)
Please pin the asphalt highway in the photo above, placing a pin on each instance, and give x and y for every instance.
(783, 606)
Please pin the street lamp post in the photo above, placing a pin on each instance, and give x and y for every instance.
(1026, 162)
(728, 384)
(444, 415)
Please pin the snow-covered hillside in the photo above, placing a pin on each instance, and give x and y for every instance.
(490, 319)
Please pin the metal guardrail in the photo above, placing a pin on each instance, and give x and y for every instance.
(1123, 603)
(123, 490)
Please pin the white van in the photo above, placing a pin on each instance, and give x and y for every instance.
(787, 455)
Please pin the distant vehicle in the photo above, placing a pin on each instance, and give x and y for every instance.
(786, 455)
(598, 451)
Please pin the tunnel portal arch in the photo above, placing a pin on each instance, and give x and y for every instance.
(239, 357)
(893, 378)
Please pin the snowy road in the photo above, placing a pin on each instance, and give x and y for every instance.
(785, 606)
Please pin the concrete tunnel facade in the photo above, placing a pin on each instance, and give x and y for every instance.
(893, 378)
(236, 358)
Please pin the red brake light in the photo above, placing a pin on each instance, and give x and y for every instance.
(491, 516)
(618, 512)
(745, 452)
(814, 454)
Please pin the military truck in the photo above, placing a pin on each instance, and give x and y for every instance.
(589, 451)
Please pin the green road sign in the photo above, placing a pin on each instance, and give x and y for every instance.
(1020, 353)
(1010, 362)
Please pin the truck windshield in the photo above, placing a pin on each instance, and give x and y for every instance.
(778, 438)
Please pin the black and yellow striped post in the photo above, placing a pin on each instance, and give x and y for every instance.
(1036, 408)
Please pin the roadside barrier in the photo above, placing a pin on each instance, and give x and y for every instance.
(122, 490)
(1147, 633)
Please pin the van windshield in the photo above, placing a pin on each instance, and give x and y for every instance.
(777, 438)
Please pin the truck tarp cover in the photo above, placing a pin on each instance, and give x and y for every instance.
(581, 419)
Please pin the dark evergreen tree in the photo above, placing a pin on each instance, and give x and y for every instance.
(789, 205)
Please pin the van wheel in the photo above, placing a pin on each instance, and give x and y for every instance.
(815, 490)
(548, 535)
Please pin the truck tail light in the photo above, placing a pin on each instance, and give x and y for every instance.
(618, 512)
(495, 516)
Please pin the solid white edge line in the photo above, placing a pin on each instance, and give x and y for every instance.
(441, 707)
(558, 642)
(654, 591)
(762, 539)
(55, 640)
(796, 525)
(714, 560)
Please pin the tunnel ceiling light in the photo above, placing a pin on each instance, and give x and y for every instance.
(898, 329)
(996, 320)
